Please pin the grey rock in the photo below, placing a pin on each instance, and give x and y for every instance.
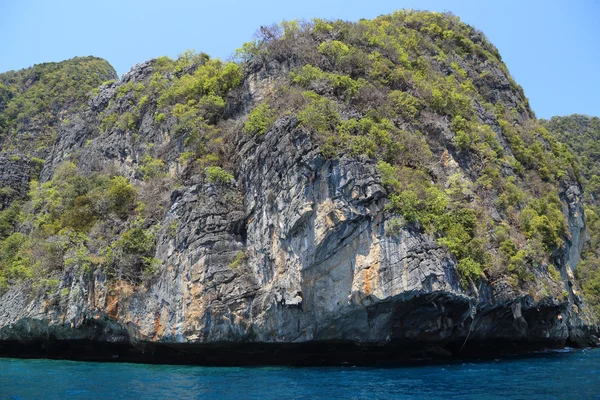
(15, 173)
(317, 263)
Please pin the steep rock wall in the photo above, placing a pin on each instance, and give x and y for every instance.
(317, 265)
(299, 249)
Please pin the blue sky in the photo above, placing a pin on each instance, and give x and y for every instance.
(552, 47)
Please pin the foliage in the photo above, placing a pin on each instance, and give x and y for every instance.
(9, 218)
(582, 136)
(213, 77)
(137, 241)
(68, 219)
(320, 115)
(160, 117)
(103, 220)
(239, 260)
(217, 175)
(343, 85)
(122, 196)
(406, 104)
(383, 89)
(366, 90)
(420, 202)
(39, 96)
(419, 94)
(260, 119)
(151, 168)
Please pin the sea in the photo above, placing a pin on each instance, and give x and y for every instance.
(565, 374)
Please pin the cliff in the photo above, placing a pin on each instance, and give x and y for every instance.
(363, 191)
(581, 133)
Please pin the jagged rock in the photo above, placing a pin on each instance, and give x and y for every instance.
(15, 173)
(319, 267)
(295, 250)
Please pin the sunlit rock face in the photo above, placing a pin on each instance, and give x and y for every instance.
(296, 249)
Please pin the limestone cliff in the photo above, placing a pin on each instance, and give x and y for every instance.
(299, 247)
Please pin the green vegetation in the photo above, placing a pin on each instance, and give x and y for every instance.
(36, 99)
(421, 202)
(187, 97)
(217, 175)
(239, 260)
(105, 221)
(320, 115)
(76, 221)
(582, 135)
(133, 254)
(415, 93)
(259, 120)
(386, 90)
(152, 168)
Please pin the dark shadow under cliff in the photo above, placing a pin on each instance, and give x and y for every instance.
(247, 354)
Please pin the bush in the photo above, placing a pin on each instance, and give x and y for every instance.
(134, 255)
(213, 77)
(9, 218)
(469, 269)
(82, 216)
(343, 85)
(393, 227)
(152, 168)
(406, 104)
(122, 196)
(137, 241)
(218, 176)
(307, 74)
(159, 118)
(38, 163)
(320, 115)
(260, 119)
(15, 263)
(335, 50)
(211, 107)
(543, 217)
(246, 52)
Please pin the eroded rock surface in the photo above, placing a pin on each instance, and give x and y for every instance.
(317, 265)
(297, 250)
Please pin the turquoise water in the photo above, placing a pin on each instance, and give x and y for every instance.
(566, 375)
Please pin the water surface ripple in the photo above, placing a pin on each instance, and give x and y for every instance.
(557, 375)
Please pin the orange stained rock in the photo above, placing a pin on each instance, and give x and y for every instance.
(157, 326)
(112, 308)
(160, 323)
(445, 158)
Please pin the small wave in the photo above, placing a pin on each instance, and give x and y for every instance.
(563, 350)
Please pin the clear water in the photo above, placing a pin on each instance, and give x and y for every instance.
(566, 375)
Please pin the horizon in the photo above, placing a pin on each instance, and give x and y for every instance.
(549, 95)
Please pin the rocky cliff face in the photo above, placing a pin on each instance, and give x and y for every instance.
(297, 249)
(581, 134)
